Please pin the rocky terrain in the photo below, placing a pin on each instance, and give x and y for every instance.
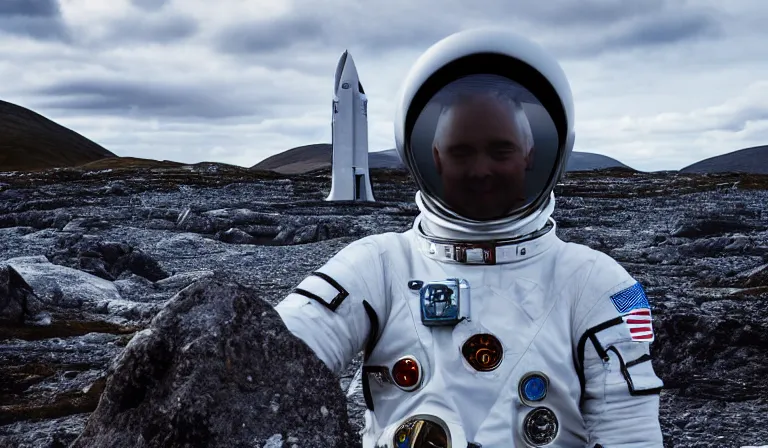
(89, 257)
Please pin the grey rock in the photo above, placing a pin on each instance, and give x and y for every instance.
(106, 259)
(18, 302)
(189, 221)
(698, 228)
(85, 224)
(117, 188)
(62, 286)
(705, 247)
(187, 244)
(298, 232)
(663, 255)
(181, 281)
(143, 265)
(95, 266)
(753, 278)
(218, 368)
(60, 220)
(286, 235)
(739, 244)
(136, 289)
(306, 234)
(235, 236)
(243, 216)
(262, 234)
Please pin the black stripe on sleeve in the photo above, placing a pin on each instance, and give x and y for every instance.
(343, 294)
(591, 334)
(312, 296)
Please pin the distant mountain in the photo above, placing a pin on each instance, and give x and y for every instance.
(29, 141)
(385, 159)
(311, 157)
(298, 160)
(587, 161)
(750, 160)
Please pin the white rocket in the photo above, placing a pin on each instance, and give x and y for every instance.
(350, 180)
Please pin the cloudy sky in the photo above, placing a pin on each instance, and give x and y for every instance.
(658, 84)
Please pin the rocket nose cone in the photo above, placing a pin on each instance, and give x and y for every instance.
(349, 73)
(346, 72)
(339, 70)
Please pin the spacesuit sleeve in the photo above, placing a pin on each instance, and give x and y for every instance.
(340, 308)
(613, 332)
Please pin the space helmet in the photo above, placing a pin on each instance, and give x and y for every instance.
(484, 124)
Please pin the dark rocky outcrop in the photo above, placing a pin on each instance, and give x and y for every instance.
(236, 236)
(106, 259)
(218, 368)
(708, 226)
(18, 302)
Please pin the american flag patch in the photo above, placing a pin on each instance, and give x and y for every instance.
(636, 312)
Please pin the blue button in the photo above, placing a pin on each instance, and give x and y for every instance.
(535, 388)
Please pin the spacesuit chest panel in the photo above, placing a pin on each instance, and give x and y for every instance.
(470, 372)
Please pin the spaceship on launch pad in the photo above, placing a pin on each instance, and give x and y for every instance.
(350, 180)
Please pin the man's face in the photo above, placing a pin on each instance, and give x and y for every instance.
(481, 159)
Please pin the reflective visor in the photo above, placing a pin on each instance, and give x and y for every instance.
(484, 147)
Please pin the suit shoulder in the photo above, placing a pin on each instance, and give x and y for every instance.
(572, 263)
(606, 274)
(607, 290)
(376, 247)
(391, 242)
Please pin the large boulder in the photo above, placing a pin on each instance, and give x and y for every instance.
(64, 287)
(218, 368)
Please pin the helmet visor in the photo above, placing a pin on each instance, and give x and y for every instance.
(484, 147)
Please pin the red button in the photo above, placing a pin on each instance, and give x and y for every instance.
(406, 373)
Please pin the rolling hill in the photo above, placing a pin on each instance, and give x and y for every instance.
(311, 157)
(749, 160)
(29, 141)
(587, 161)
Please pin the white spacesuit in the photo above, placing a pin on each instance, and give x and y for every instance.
(479, 326)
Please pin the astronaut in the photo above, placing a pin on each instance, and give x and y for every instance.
(479, 327)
